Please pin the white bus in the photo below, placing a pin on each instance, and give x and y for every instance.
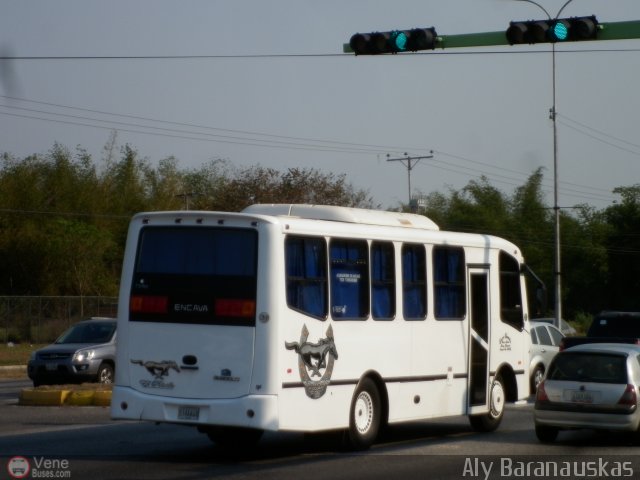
(309, 318)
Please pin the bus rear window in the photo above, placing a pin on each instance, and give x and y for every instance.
(195, 275)
(197, 251)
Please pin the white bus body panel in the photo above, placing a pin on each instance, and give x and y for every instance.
(423, 365)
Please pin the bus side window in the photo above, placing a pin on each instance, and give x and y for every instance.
(511, 311)
(349, 264)
(383, 282)
(414, 282)
(306, 272)
(449, 283)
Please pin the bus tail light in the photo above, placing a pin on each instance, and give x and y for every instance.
(229, 307)
(149, 304)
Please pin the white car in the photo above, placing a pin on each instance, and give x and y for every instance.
(545, 342)
(592, 386)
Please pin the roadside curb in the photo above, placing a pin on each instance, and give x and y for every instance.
(64, 397)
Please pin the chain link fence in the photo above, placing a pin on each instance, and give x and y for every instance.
(43, 319)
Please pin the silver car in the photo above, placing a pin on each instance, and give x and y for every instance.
(84, 353)
(545, 343)
(592, 386)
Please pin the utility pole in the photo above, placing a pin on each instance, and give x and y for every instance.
(410, 163)
(186, 197)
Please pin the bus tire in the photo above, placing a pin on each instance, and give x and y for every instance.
(365, 415)
(234, 438)
(488, 422)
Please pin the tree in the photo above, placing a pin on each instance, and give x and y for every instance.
(257, 184)
(584, 260)
(77, 254)
(623, 279)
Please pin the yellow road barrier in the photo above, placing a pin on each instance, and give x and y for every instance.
(32, 396)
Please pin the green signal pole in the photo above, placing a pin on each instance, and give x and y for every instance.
(606, 31)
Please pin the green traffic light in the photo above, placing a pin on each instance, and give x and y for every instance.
(560, 31)
(400, 41)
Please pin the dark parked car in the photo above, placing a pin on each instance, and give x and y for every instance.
(609, 327)
(84, 353)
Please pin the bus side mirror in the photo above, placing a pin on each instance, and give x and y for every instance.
(541, 299)
(541, 290)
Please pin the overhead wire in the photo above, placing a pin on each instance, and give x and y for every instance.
(305, 55)
(247, 138)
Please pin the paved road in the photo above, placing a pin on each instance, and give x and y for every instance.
(84, 442)
(10, 389)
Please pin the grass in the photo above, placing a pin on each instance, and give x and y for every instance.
(17, 354)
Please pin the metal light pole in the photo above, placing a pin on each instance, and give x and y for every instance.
(556, 208)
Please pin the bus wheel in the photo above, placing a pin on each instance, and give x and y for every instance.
(365, 415)
(488, 422)
(234, 437)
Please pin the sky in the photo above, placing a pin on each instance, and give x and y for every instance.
(266, 83)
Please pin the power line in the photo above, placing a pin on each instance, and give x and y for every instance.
(261, 139)
(205, 127)
(300, 55)
(173, 133)
(601, 133)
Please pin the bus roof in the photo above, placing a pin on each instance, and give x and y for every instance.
(343, 214)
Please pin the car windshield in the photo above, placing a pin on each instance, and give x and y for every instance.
(89, 332)
(589, 367)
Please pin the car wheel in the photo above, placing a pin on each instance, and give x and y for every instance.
(546, 434)
(488, 422)
(365, 415)
(105, 373)
(536, 378)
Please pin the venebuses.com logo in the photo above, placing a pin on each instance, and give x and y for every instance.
(38, 467)
(18, 467)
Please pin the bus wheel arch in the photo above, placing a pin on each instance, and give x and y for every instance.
(368, 413)
(509, 382)
(503, 389)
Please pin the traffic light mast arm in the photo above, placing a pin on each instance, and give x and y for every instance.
(606, 31)
(619, 30)
(486, 39)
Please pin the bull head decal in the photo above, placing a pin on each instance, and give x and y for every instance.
(312, 358)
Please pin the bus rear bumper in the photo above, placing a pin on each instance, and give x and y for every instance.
(250, 411)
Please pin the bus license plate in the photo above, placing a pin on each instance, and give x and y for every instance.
(188, 413)
(580, 396)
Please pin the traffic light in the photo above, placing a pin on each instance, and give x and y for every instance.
(377, 43)
(550, 31)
